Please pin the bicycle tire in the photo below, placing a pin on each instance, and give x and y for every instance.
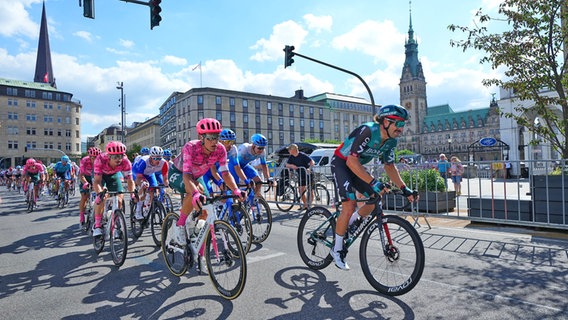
(321, 195)
(228, 270)
(243, 227)
(316, 235)
(31, 198)
(156, 219)
(176, 258)
(287, 200)
(118, 238)
(261, 218)
(398, 272)
(167, 202)
(136, 225)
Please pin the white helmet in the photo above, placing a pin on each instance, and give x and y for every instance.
(156, 151)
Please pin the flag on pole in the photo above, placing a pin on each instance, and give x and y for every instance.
(46, 77)
(197, 66)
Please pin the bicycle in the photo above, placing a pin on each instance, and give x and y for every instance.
(114, 229)
(31, 197)
(260, 214)
(290, 195)
(90, 212)
(391, 250)
(217, 241)
(153, 218)
(236, 215)
(62, 195)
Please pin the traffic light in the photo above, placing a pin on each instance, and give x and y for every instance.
(89, 9)
(288, 55)
(155, 10)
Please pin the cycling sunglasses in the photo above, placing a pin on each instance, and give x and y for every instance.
(116, 156)
(397, 123)
(211, 137)
(156, 158)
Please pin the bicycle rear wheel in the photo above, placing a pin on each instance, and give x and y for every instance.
(316, 234)
(158, 215)
(261, 218)
(167, 202)
(118, 238)
(321, 195)
(240, 221)
(285, 202)
(31, 198)
(226, 260)
(176, 258)
(392, 270)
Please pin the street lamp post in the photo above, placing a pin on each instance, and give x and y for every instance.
(120, 87)
(450, 146)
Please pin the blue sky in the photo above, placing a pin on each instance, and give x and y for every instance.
(239, 45)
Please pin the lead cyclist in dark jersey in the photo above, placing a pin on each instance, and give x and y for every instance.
(376, 139)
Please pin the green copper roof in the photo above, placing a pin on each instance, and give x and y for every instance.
(442, 114)
(27, 84)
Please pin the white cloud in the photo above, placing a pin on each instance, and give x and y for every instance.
(318, 23)
(176, 61)
(288, 32)
(16, 20)
(84, 35)
(126, 43)
(380, 40)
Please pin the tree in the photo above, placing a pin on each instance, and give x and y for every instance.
(532, 53)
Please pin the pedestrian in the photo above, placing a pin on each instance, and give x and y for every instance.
(443, 166)
(456, 170)
(508, 168)
(302, 163)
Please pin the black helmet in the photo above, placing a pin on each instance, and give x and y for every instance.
(393, 111)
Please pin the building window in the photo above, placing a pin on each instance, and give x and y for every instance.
(245, 103)
(218, 100)
(31, 117)
(12, 116)
(269, 105)
(12, 144)
(48, 131)
(199, 99)
(77, 121)
(31, 131)
(245, 118)
(12, 92)
(232, 102)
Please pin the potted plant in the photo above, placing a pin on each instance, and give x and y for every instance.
(431, 189)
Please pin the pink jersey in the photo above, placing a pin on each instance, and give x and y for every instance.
(86, 166)
(102, 166)
(196, 162)
(35, 169)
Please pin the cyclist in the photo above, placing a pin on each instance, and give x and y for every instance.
(63, 171)
(151, 169)
(9, 173)
(86, 179)
(248, 152)
(143, 152)
(18, 177)
(108, 165)
(370, 140)
(302, 163)
(196, 158)
(227, 137)
(32, 172)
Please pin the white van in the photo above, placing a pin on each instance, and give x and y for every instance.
(322, 158)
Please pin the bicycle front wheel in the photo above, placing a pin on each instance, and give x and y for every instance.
(316, 234)
(226, 260)
(240, 221)
(118, 238)
(158, 215)
(285, 202)
(176, 258)
(137, 226)
(392, 270)
(261, 217)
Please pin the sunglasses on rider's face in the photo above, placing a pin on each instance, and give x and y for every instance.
(211, 137)
(156, 159)
(116, 157)
(228, 141)
(259, 148)
(397, 123)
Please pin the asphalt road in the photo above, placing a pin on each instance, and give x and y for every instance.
(48, 270)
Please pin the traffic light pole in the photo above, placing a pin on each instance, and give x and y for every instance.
(346, 71)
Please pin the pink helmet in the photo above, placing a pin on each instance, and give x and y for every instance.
(115, 147)
(94, 151)
(30, 162)
(208, 125)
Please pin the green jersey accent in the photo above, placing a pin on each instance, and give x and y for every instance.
(367, 144)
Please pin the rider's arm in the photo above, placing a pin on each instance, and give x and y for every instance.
(393, 174)
(97, 183)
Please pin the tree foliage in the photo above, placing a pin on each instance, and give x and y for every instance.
(532, 54)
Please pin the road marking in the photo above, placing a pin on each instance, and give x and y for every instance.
(251, 259)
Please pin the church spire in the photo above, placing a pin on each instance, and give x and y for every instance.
(43, 69)
(411, 64)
